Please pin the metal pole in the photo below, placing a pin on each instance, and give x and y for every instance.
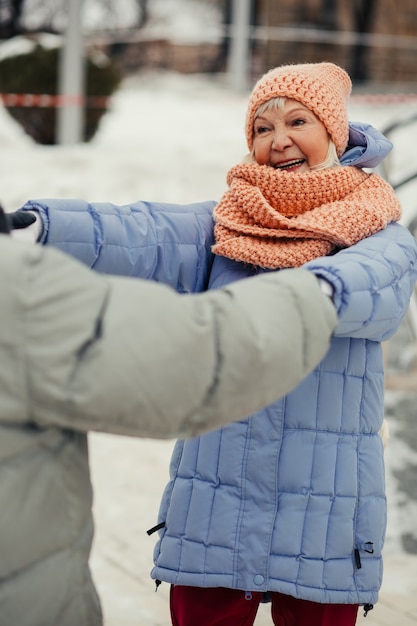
(70, 114)
(239, 59)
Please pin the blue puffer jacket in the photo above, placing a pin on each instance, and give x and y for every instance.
(291, 499)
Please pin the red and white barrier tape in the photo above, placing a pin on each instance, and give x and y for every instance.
(51, 101)
(59, 100)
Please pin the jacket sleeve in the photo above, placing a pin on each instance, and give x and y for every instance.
(372, 281)
(112, 354)
(367, 147)
(168, 243)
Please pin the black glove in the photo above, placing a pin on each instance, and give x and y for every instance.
(20, 219)
(4, 223)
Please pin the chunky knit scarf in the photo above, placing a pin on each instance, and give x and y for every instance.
(275, 219)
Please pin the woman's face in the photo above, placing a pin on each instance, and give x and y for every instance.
(291, 139)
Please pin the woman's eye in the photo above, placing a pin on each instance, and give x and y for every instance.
(261, 129)
(298, 122)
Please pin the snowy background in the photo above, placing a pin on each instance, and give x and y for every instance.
(170, 137)
(166, 137)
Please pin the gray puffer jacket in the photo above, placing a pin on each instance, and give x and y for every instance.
(85, 352)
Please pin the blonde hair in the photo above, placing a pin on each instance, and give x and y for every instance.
(331, 160)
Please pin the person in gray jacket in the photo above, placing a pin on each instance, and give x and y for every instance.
(86, 352)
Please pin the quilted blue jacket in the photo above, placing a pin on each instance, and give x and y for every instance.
(291, 499)
(168, 243)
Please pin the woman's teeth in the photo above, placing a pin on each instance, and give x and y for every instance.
(289, 164)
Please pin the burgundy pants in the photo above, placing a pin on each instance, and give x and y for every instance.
(194, 606)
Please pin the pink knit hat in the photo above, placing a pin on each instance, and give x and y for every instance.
(324, 88)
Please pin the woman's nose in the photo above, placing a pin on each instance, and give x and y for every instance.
(281, 139)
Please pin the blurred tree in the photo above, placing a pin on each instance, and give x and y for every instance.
(329, 14)
(31, 16)
(363, 14)
(10, 15)
(35, 72)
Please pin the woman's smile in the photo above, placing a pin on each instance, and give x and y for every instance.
(290, 138)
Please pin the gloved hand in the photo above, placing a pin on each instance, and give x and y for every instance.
(20, 219)
(16, 220)
(4, 223)
(24, 225)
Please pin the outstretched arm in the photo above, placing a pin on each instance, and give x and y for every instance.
(169, 243)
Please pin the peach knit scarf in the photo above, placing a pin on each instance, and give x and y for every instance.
(275, 219)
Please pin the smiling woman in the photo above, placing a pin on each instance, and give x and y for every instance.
(302, 482)
(323, 88)
(290, 137)
(287, 202)
(300, 126)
